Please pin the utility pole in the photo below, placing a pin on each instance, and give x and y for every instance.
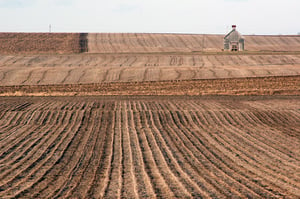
(203, 43)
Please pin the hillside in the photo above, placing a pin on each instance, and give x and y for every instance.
(95, 58)
(40, 43)
(129, 42)
(66, 43)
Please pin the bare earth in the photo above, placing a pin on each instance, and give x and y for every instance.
(131, 147)
(148, 116)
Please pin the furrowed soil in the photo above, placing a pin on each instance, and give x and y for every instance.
(148, 116)
(147, 147)
(282, 85)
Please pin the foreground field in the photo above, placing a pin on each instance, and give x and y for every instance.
(93, 147)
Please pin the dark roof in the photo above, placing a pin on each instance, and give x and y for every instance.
(234, 35)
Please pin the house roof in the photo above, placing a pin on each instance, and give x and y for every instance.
(234, 35)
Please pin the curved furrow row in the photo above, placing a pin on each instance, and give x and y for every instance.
(198, 168)
(256, 118)
(181, 147)
(47, 172)
(162, 161)
(214, 158)
(175, 159)
(158, 182)
(88, 173)
(25, 170)
(240, 173)
(144, 186)
(234, 140)
(269, 137)
(238, 138)
(76, 175)
(114, 186)
(101, 177)
(30, 137)
(129, 183)
(13, 131)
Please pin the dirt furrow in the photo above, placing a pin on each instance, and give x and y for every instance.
(129, 186)
(27, 143)
(170, 154)
(159, 184)
(34, 160)
(114, 186)
(199, 152)
(39, 182)
(70, 187)
(143, 181)
(101, 178)
(161, 160)
(233, 160)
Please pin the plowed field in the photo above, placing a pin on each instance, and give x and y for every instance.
(39, 43)
(114, 147)
(118, 42)
(98, 68)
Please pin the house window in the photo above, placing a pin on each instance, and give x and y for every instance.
(234, 48)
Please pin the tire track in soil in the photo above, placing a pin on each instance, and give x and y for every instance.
(67, 76)
(4, 74)
(82, 75)
(43, 77)
(28, 76)
(145, 76)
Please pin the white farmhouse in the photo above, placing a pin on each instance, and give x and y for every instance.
(234, 41)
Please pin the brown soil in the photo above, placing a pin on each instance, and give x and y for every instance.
(147, 147)
(100, 68)
(40, 43)
(285, 85)
(128, 42)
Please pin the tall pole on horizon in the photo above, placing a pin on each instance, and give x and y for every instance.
(203, 43)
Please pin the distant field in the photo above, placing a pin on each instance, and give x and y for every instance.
(99, 68)
(118, 42)
(39, 43)
(66, 43)
(55, 58)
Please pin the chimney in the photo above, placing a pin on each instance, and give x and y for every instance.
(233, 27)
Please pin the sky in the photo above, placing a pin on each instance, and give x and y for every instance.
(260, 17)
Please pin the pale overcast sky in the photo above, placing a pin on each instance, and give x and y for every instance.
(151, 16)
